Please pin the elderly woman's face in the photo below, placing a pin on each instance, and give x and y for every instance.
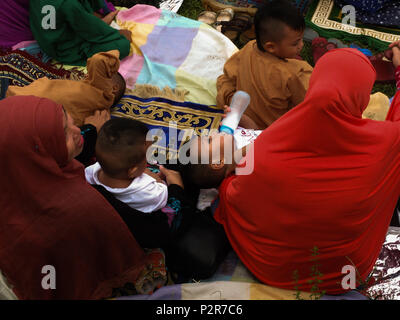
(73, 137)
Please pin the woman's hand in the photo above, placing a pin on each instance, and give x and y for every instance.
(396, 56)
(98, 119)
(126, 33)
(110, 17)
(153, 175)
(172, 177)
(396, 53)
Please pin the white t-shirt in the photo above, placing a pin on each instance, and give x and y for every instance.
(144, 193)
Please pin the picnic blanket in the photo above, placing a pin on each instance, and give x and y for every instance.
(233, 281)
(170, 50)
(325, 17)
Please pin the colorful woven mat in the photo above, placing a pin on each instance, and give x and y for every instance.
(325, 17)
(170, 122)
(18, 68)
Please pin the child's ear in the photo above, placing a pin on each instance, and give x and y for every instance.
(270, 47)
(115, 87)
(133, 172)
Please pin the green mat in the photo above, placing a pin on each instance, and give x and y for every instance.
(326, 18)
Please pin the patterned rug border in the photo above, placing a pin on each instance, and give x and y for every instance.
(176, 120)
(319, 17)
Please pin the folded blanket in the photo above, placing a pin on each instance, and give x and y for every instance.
(170, 50)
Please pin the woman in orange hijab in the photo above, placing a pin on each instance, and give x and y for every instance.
(50, 216)
(324, 186)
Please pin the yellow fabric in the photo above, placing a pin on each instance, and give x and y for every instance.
(237, 290)
(6, 292)
(275, 85)
(146, 91)
(79, 98)
(200, 90)
(140, 32)
(378, 107)
(264, 292)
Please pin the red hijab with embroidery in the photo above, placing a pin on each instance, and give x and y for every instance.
(324, 186)
(51, 216)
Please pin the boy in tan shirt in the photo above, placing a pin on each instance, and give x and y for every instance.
(267, 68)
(102, 87)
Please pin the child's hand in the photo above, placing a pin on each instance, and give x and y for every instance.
(126, 33)
(110, 17)
(98, 119)
(226, 110)
(172, 177)
(396, 53)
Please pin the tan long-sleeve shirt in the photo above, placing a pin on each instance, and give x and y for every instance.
(275, 85)
(79, 98)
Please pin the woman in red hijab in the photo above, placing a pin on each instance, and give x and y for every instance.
(50, 216)
(324, 186)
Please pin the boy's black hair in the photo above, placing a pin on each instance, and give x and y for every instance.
(197, 174)
(120, 145)
(119, 80)
(269, 21)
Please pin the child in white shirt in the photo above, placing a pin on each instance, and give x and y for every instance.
(121, 168)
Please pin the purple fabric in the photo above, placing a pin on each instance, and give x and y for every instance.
(174, 52)
(108, 7)
(14, 22)
(351, 295)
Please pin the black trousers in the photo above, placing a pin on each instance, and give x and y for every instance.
(194, 251)
(395, 218)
